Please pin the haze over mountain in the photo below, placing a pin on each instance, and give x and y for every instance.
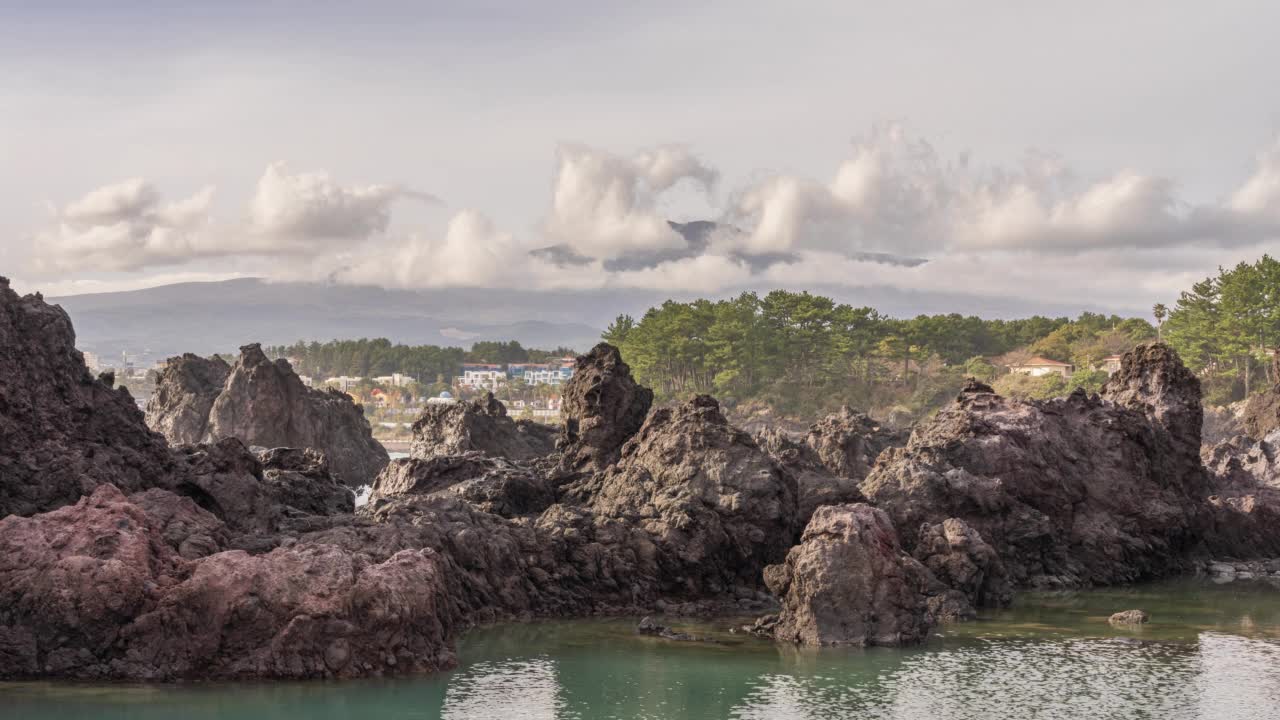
(208, 317)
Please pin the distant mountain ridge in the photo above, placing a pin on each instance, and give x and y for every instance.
(209, 317)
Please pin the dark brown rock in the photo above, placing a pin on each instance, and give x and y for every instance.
(718, 507)
(602, 407)
(185, 392)
(1073, 491)
(264, 403)
(848, 582)
(491, 484)
(62, 432)
(483, 425)
(1261, 415)
(959, 558)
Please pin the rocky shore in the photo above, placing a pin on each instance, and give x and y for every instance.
(124, 556)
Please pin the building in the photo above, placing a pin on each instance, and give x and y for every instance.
(552, 373)
(444, 398)
(1039, 367)
(91, 361)
(482, 376)
(394, 379)
(1110, 364)
(344, 382)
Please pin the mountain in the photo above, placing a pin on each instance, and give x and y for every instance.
(211, 317)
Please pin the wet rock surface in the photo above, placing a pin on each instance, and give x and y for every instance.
(62, 431)
(480, 426)
(264, 403)
(1082, 490)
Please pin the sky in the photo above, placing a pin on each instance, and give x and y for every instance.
(1110, 153)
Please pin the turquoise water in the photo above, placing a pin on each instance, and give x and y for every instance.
(1209, 652)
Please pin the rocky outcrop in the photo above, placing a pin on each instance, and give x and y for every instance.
(832, 459)
(185, 391)
(1072, 491)
(848, 443)
(482, 425)
(491, 484)
(94, 591)
(602, 407)
(848, 582)
(1222, 423)
(1244, 510)
(264, 403)
(960, 559)
(1261, 415)
(62, 432)
(717, 506)
(1129, 617)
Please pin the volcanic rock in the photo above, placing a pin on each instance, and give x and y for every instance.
(958, 556)
(718, 507)
(62, 432)
(1072, 491)
(483, 425)
(93, 591)
(1129, 617)
(848, 582)
(1261, 415)
(185, 392)
(1245, 506)
(602, 407)
(265, 403)
(832, 459)
(491, 484)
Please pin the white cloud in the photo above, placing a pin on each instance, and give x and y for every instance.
(297, 212)
(124, 226)
(896, 194)
(603, 205)
(472, 252)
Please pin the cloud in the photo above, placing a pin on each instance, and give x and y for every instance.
(603, 205)
(895, 193)
(471, 253)
(127, 226)
(124, 226)
(298, 212)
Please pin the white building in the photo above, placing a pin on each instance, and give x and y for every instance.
(343, 382)
(1038, 367)
(482, 376)
(91, 361)
(394, 379)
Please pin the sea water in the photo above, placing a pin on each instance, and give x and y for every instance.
(1210, 651)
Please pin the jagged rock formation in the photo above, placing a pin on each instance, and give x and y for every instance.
(718, 507)
(833, 458)
(62, 432)
(94, 591)
(482, 425)
(602, 407)
(1222, 423)
(1261, 415)
(184, 395)
(848, 582)
(1072, 491)
(491, 484)
(264, 403)
(958, 556)
(1245, 507)
(848, 442)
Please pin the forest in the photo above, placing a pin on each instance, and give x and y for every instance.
(803, 354)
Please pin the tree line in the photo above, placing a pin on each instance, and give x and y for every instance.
(1227, 328)
(803, 353)
(427, 364)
